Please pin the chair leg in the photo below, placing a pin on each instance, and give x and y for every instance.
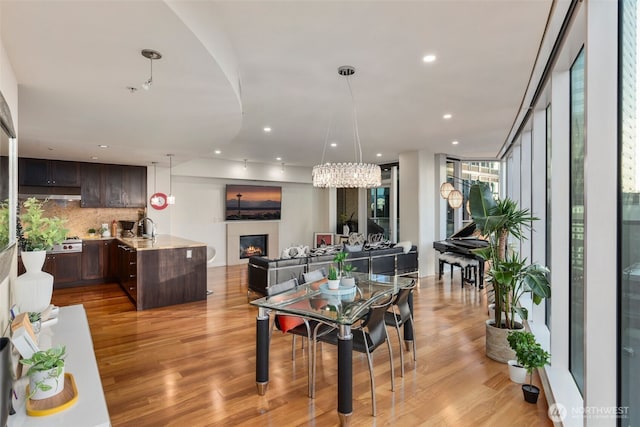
(399, 343)
(293, 347)
(393, 377)
(373, 382)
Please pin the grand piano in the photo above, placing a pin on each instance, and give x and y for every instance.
(462, 243)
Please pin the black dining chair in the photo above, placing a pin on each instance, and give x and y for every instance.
(370, 335)
(399, 314)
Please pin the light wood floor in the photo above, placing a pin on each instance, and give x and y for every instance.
(194, 365)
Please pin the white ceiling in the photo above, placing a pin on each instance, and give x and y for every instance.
(231, 68)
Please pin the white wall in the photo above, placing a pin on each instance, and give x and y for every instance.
(199, 212)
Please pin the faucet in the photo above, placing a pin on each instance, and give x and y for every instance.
(153, 226)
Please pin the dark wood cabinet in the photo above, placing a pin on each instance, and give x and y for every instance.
(125, 186)
(48, 173)
(67, 267)
(91, 189)
(128, 270)
(113, 186)
(95, 259)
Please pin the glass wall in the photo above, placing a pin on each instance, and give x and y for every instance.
(548, 206)
(629, 200)
(379, 206)
(576, 272)
(471, 172)
(451, 220)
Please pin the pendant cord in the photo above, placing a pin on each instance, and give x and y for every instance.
(326, 139)
(357, 146)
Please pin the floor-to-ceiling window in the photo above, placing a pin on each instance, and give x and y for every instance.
(483, 171)
(548, 205)
(629, 182)
(577, 215)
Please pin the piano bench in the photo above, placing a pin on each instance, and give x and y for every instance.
(468, 267)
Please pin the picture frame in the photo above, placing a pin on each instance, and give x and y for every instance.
(323, 239)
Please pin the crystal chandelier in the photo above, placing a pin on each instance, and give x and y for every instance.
(347, 175)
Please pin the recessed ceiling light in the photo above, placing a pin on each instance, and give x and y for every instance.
(278, 158)
(334, 144)
(267, 129)
(455, 142)
(103, 146)
(428, 58)
(379, 155)
(94, 157)
(217, 151)
(447, 116)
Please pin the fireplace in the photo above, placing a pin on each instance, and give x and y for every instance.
(253, 245)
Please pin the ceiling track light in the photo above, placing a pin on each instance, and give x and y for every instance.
(151, 55)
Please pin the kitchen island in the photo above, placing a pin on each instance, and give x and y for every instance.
(163, 271)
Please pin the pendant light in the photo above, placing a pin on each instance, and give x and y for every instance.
(171, 199)
(347, 175)
(151, 55)
(157, 200)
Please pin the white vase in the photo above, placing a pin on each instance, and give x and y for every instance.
(334, 284)
(517, 373)
(49, 378)
(33, 289)
(348, 282)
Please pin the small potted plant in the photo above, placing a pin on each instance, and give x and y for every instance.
(333, 278)
(519, 341)
(339, 258)
(35, 320)
(46, 372)
(347, 279)
(532, 357)
(92, 232)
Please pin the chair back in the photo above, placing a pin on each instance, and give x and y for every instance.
(282, 287)
(402, 302)
(314, 275)
(375, 325)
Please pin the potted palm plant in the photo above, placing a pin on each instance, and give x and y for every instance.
(509, 275)
(46, 372)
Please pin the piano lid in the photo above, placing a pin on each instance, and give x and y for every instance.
(466, 232)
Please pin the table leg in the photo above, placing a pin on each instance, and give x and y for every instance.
(345, 375)
(262, 350)
(481, 273)
(408, 327)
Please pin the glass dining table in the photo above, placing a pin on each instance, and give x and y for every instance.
(341, 309)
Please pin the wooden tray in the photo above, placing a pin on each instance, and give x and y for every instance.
(57, 403)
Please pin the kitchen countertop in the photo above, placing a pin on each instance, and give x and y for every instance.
(162, 241)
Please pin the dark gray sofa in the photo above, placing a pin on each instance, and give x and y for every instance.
(265, 272)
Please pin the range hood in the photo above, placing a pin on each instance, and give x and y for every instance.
(51, 193)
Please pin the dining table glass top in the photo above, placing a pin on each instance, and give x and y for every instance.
(345, 306)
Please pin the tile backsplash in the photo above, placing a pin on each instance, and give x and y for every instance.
(80, 220)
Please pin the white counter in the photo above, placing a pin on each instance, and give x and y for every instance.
(72, 330)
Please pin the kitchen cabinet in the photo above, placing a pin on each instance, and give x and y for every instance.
(128, 270)
(48, 173)
(91, 189)
(113, 186)
(65, 268)
(95, 259)
(125, 186)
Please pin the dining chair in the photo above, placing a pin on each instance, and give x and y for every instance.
(296, 325)
(399, 314)
(371, 334)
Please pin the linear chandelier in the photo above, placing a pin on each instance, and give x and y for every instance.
(347, 175)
